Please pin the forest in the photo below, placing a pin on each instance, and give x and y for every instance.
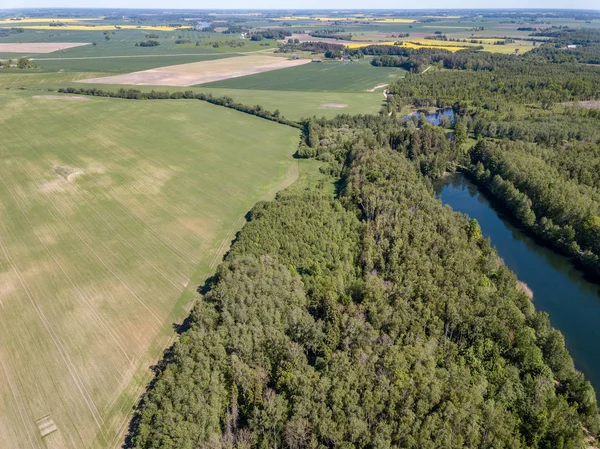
(530, 144)
(376, 317)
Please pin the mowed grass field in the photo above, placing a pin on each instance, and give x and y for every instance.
(327, 76)
(112, 212)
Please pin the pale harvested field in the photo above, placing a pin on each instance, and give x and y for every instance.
(39, 47)
(201, 72)
(112, 212)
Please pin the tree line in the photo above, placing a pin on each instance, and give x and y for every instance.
(226, 101)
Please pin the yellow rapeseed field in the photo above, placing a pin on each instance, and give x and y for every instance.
(419, 45)
(366, 44)
(405, 44)
(450, 46)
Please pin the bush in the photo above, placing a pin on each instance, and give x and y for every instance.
(149, 43)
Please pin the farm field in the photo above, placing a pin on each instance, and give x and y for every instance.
(38, 47)
(75, 27)
(20, 79)
(22, 20)
(122, 42)
(112, 213)
(292, 104)
(202, 72)
(120, 64)
(334, 76)
(299, 104)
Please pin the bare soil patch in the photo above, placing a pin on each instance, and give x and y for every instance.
(60, 97)
(201, 72)
(334, 105)
(67, 173)
(591, 104)
(38, 47)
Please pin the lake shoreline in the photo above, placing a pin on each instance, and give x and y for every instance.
(560, 289)
(590, 272)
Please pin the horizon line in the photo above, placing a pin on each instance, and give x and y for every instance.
(299, 9)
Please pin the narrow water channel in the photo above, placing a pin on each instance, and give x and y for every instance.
(558, 288)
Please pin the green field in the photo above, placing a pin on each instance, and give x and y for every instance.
(117, 64)
(25, 79)
(292, 104)
(112, 213)
(327, 76)
(122, 43)
(296, 104)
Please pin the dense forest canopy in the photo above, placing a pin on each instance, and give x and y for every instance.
(531, 146)
(377, 317)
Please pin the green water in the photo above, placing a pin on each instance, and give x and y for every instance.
(559, 289)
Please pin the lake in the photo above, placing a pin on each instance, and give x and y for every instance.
(436, 117)
(558, 287)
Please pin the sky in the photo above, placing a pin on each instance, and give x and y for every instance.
(304, 4)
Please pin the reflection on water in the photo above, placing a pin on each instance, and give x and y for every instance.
(436, 117)
(559, 288)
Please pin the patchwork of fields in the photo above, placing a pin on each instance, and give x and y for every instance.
(201, 72)
(112, 213)
(328, 76)
(120, 64)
